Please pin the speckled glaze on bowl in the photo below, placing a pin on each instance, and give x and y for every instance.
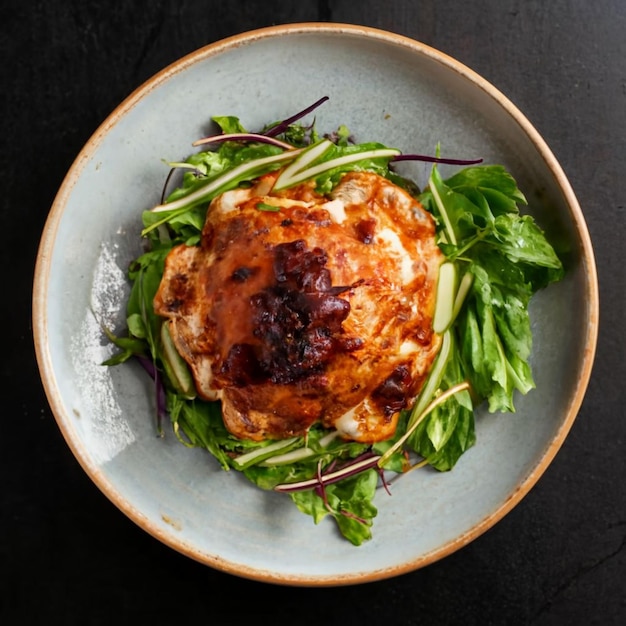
(386, 88)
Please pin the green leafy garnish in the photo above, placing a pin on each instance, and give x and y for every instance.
(508, 257)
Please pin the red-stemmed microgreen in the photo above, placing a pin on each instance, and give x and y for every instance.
(354, 467)
(284, 125)
(434, 159)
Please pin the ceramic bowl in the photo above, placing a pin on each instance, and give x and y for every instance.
(386, 88)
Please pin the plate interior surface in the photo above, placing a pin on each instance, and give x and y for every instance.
(384, 88)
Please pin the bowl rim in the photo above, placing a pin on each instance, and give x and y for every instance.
(43, 269)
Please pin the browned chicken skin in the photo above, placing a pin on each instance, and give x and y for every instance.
(318, 310)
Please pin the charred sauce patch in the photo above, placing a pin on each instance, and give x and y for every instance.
(297, 322)
(393, 392)
(241, 274)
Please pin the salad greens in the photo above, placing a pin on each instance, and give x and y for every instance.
(496, 259)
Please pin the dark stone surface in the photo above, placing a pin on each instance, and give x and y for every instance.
(67, 556)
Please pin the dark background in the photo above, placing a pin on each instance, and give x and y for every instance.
(68, 556)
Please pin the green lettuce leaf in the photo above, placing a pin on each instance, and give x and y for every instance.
(350, 502)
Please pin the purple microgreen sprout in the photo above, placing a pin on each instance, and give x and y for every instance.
(352, 468)
(433, 159)
(166, 184)
(159, 390)
(284, 125)
(320, 490)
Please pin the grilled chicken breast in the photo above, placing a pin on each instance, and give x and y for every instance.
(298, 308)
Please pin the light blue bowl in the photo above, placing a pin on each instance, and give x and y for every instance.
(385, 88)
